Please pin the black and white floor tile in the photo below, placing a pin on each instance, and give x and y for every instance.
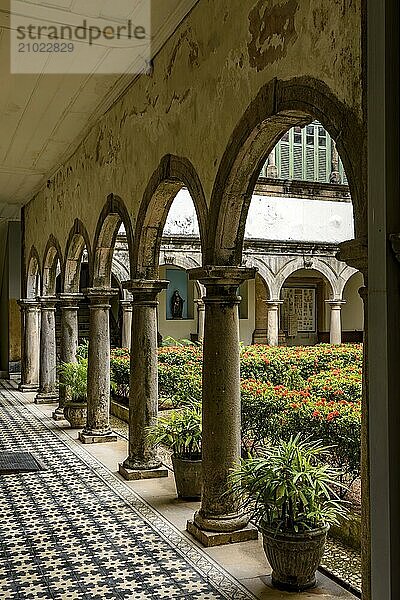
(75, 531)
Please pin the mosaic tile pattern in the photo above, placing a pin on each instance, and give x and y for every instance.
(75, 531)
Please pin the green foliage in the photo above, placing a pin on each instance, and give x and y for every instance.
(83, 349)
(313, 389)
(169, 341)
(73, 376)
(338, 384)
(289, 488)
(120, 373)
(180, 431)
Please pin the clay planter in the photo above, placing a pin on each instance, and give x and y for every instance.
(294, 557)
(188, 478)
(75, 413)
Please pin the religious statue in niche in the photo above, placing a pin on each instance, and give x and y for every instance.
(177, 305)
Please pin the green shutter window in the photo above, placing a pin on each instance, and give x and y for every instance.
(304, 153)
(283, 161)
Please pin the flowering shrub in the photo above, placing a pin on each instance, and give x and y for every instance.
(337, 384)
(337, 424)
(313, 389)
(274, 364)
(119, 365)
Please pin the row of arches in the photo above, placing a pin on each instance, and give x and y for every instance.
(100, 272)
(278, 106)
(221, 218)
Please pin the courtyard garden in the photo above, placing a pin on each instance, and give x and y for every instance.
(300, 439)
(315, 390)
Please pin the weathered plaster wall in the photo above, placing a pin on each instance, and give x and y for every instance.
(353, 311)
(203, 80)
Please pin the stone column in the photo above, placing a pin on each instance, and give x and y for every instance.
(143, 462)
(48, 392)
(69, 341)
(273, 321)
(272, 170)
(335, 335)
(30, 311)
(219, 520)
(201, 311)
(126, 323)
(98, 410)
(355, 254)
(334, 176)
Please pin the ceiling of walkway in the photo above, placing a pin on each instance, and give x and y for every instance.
(44, 117)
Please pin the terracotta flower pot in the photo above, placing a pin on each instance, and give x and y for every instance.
(75, 413)
(294, 557)
(188, 478)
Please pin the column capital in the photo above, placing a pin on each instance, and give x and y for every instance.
(126, 305)
(224, 276)
(273, 303)
(48, 302)
(99, 294)
(29, 304)
(200, 303)
(355, 254)
(69, 300)
(336, 303)
(145, 290)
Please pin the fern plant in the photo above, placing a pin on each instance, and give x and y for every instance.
(73, 377)
(290, 488)
(180, 432)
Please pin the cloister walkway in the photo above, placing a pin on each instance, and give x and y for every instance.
(75, 530)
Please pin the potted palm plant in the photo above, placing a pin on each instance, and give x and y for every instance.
(293, 496)
(180, 432)
(73, 376)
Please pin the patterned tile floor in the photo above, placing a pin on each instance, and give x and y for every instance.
(341, 561)
(75, 531)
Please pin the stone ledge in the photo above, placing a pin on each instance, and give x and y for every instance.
(97, 439)
(27, 388)
(58, 416)
(216, 538)
(46, 399)
(136, 474)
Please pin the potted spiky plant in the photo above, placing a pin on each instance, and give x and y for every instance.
(73, 376)
(292, 494)
(180, 432)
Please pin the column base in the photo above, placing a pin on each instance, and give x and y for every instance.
(28, 387)
(58, 414)
(220, 538)
(135, 474)
(95, 438)
(46, 398)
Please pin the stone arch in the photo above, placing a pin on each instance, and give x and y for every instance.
(33, 274)
(172, 174)
(186, 263)
(114, 214)
(52, 259)
(121, 273)
(278, 106)
(266, 275)
(344, 277)
(318, 265)
(78, 240)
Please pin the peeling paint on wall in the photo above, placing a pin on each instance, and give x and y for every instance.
(272, 30)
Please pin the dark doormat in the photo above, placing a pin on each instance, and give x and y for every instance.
(19, 462)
